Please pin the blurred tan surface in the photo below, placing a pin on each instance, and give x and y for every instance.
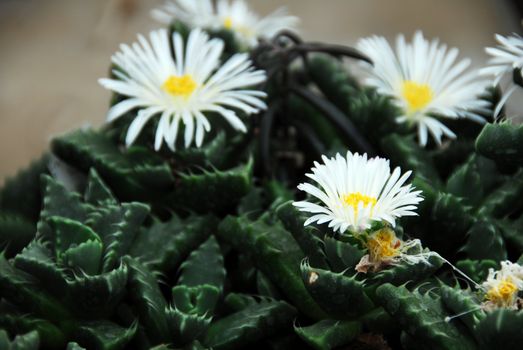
(53, 51)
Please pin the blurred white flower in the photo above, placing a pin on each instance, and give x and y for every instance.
(426, 83)
(182, 88)
(355, 191)
(234, 15)
(507, 59)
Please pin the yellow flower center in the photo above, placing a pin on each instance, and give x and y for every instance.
(353, 199)
(383, 245)
(417, 95)
(180, 86)
(503, 294)
(227, 23)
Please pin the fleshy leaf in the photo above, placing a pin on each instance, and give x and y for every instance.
(15, 233)
(104, 335)
(342, 297)
(502, 143)
(422, 316)
(329, 334)
(97, 192)
(250, 325)
(276, 254)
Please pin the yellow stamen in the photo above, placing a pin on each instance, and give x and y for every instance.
(383, 245)
(180, 85)
(417, 95)
(227, 23)
(503, 294)
(353, 199)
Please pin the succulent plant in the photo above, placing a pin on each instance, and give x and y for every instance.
(114, 246)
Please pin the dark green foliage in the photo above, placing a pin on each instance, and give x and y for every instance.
(342, 297)
(216, 191)
(29, 341)
(485, 242)
(460, 302)
(253, 323)
(202, 248)
(502, 143)
(329, 334)
(477, 270)
(405, 152)
(15, 233)
(164, 245)
(404, 273)
(135, 174)
(310, 244)
(422, 316)
(21, 193)
(274, 252)
(500, 329)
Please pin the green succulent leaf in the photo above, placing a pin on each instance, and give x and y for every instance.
(329, 334)
(38, 261)
(485, 242)
(104, 335)
(203, 266)
(134, 174)
(504, 200)
(342, 297)
(209, 155)
(443, 221)
(85, 257)
(333, 80)
(276, 254)
(96, 192)
(404, 272)
(21, 194)
(15, 233)
(502, 143)
(201, 280)
(185, 327)
(22, 290)
(265, 287)
(311, 245)
(342, 256)
(238, 301)
(477, 270)
(58, 202)
(98, 295)
(148, 301)
(212, 191)
(422, 317)
(473, 179)
(28, 341)
(250, 325)
(165, 245)
(500, 329)
(117, 226)
(407, 154)
(70, 234)
(51, 337)
(463, 303)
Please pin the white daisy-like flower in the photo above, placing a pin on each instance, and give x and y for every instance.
(426, 82)
(502, 286)
(506, 58)
(355, 191)
(234, 15)
(181, 89)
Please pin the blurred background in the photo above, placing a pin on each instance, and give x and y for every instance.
(53, 51)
